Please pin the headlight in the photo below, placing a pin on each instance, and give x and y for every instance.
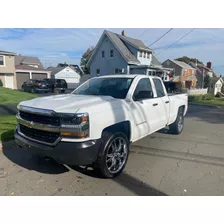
(75, 125)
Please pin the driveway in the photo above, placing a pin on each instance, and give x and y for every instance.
(188, 164)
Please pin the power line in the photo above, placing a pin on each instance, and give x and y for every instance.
(143, 32)
(161, 37)
(176, 41)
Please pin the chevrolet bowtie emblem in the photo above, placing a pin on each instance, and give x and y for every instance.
(30, 125)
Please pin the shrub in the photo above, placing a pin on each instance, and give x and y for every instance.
(194, 98)
(208, 97)
(1, 84)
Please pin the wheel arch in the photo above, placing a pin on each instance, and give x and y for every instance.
(124, 127)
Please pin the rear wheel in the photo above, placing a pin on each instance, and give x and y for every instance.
(114, 154)
(178, 126)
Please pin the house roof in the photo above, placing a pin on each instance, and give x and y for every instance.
(185, 78)
(7, 53)
(135, 42)
(26, 60)
(155, 61)
(55, 70)
(27, 67)
(128, 56)
(182, 64)
(215, 79)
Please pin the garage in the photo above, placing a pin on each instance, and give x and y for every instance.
(21, 78)
(9, 81)
(39, 75)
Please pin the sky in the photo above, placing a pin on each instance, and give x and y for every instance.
(55, 46)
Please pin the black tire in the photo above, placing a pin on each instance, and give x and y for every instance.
(178, 126)
(101, 165)
(62, 91)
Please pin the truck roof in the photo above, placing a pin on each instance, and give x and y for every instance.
(121, 76)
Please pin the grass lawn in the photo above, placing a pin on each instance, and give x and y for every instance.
(8, 96)
(7, 127)
(214, 102)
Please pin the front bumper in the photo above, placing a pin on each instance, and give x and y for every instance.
(70, 153)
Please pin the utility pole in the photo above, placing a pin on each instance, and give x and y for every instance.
(202, 78)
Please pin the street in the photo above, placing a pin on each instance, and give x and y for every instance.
(191, 163)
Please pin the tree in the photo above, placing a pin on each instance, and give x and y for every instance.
(207, 81)
(187, 60)
(85, 58)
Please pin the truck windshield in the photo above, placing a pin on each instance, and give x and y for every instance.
(115, 87)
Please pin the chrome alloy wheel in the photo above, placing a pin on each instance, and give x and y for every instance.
(116, 155)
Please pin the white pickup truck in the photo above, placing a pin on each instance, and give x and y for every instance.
(95, 124)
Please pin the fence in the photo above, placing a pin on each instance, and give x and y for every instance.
(197, 91)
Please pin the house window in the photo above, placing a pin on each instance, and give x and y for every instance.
(2, 61)
(103, 54)
(98, 71)
(140, 54)
(111, 53)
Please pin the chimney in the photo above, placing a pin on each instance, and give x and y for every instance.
(209, 65)
(123, 33)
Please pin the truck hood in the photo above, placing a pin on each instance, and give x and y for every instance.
(69, 103)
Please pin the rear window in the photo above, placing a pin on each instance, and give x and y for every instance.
(61, 81)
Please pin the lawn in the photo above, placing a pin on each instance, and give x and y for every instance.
(7, 127)
(207, 99)
(8, 96)
(214, 102)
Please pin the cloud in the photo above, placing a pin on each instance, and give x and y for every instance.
(59, 45)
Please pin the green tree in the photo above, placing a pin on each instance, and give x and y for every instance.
(85, 58)
(207, 81)
(187, 60)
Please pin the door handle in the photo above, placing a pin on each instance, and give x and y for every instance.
(167, 101)
(155, 104)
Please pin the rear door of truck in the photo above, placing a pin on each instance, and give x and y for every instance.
(163, 102)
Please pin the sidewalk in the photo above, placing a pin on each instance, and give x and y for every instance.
(8, 109)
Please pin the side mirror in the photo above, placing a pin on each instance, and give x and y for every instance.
(142, 95)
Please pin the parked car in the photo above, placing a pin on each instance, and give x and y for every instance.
(35, 86)
(57, 85)
(95, 124)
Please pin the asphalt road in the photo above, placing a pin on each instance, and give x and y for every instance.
(161, 164)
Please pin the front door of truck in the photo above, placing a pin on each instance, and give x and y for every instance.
(144, 109)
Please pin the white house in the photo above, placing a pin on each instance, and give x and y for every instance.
(216, 85)
(68, 74)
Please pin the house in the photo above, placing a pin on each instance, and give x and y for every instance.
(183, 73)
(7, 69)
(27, 67)
(69, 73)
(202, 70)
(216, 85)
(119, 54)
(77, 68)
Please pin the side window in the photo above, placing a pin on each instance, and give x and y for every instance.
(159, 88)
(145, 87)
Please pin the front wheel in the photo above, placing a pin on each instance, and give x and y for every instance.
(178, 126)
(114, 154)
